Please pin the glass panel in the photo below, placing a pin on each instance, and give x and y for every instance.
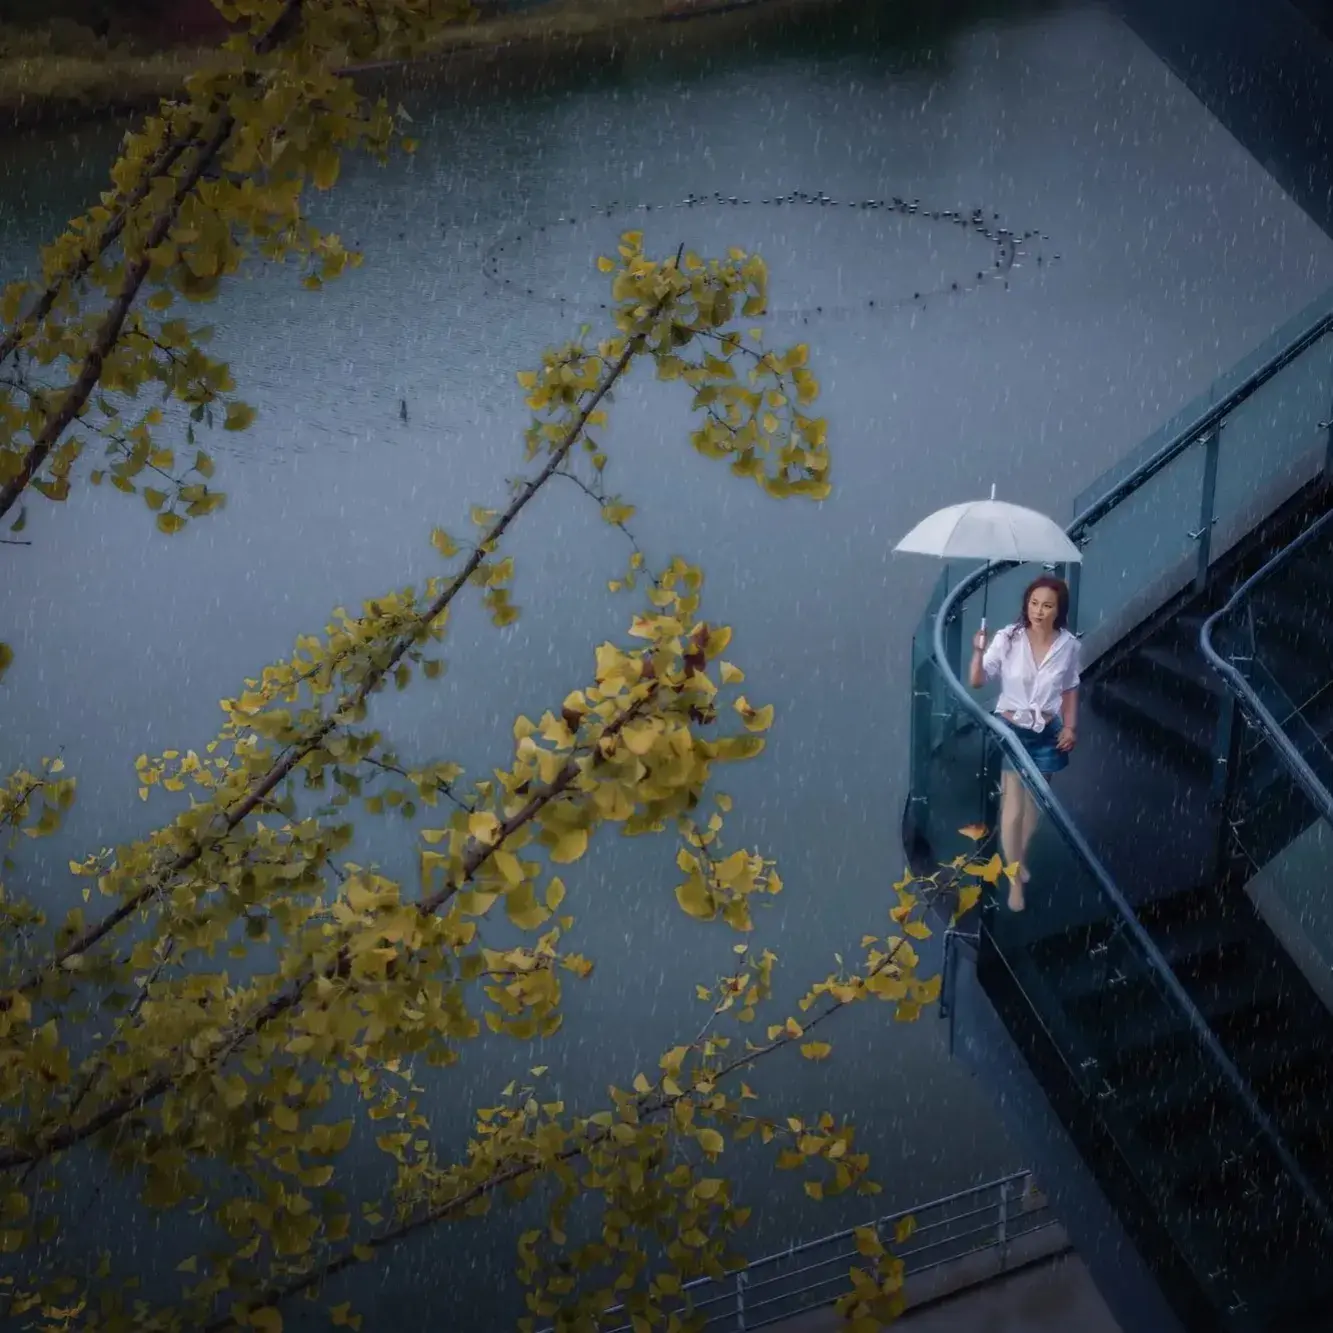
(1309, 741)
(1220, 389)
(928, 706)
(1272, 443)
(1142, 551)
(954, 784)
(1287, 850)
(1276, 639)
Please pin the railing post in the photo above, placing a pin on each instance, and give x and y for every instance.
(1072, 575)
(922, 739)
(740, 1301)
(1222, 749)
(1002, 1233)
(1327, 428)
(1226, 783)
(953, 647)
(953, 642)
(1204, 534)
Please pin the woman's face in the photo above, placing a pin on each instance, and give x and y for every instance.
(1043, 607)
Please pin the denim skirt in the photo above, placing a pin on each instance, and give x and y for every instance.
(1041, 746)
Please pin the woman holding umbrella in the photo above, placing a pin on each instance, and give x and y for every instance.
(1036, 658)
(1037, 661)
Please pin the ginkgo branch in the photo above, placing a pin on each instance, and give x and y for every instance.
(165, 159)
(93, 934)
(291, 995)
(602, 500)
(648, 1106)
(446, 789)
(90, 371)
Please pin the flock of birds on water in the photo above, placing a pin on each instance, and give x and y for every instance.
(1008, 244)
(1008, 248)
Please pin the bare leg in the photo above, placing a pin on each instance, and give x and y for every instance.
(1013, 818)
(1027, 827)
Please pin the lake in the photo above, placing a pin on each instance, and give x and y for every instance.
(1135, 251)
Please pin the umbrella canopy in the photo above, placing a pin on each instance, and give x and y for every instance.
(990, 530)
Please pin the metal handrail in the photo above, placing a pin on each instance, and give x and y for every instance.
(1248, 698)
(1019, 758)
(735, 1292)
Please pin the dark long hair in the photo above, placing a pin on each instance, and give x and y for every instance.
(1061, 590)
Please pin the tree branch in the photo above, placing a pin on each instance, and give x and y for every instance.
(108, 335)
(445, 788)
(239, 812)
(166, 158)
(296, 753)
(70, 1134)
(649, 1106)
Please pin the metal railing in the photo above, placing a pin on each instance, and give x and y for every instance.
(1037, 785)
(1194, 438)
(1247, 698)
(989, 1217)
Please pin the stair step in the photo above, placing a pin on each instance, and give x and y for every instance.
(1184, 734)
(1181, 926)
(1184, 665)
(1133, 1020)
(1260, 1060)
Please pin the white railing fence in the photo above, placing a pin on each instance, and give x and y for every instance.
(989, 1217)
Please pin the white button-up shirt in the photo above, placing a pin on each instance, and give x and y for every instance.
(1030, 691)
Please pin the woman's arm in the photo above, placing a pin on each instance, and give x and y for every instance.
(1069, 699)
(976, 676)
(1068, 719)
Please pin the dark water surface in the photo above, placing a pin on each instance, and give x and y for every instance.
(1176, 254)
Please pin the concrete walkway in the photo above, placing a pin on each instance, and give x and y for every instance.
(1056, 1296)
(1053, 1295)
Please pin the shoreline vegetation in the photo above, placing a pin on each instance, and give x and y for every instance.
(58, 77)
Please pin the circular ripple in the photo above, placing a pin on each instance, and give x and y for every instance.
(826, 255)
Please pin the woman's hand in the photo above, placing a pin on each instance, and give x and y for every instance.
(979, 641)
(1067, 739)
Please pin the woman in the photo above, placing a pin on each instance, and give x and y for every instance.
(1037, 661)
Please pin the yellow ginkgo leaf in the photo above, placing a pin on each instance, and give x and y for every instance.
(569, 846)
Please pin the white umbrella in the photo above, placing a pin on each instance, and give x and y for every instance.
(990, 530)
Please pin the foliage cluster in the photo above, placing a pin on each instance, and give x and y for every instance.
(223, 1012)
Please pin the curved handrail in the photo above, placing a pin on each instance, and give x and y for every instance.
(1037, 786)
(1274, 732)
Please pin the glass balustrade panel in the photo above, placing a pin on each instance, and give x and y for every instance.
(1272, 443)
(1141, 552)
